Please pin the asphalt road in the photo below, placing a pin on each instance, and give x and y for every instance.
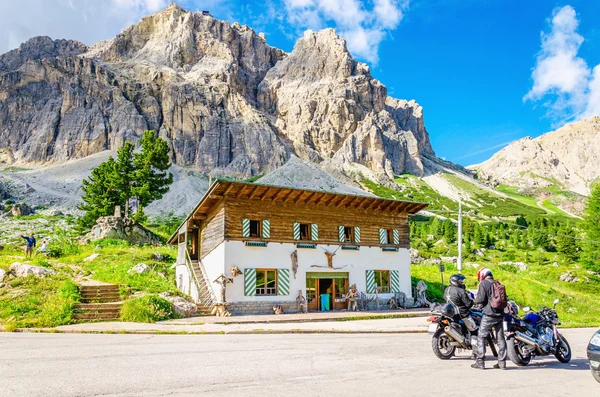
(270, 365)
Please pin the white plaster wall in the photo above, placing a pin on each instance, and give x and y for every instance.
(277, 256)
(185, 282)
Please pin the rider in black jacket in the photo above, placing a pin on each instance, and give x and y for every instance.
(457, 295)
(492, 319)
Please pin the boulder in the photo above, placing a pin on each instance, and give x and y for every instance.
(449, 259)
(414, 256)
(180, 305)
(123, 229)
(158, 257)
(568, 278)
(2, 275)
(140, 268)
(21, 209)
(479, 252)
(91, 257)
(23, 270)
(518, 265)
(473, 265)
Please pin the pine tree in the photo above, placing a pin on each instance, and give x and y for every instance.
(143, 175)
(100, 193)
(591, 227)
(150, 177)
(566, 243)
(449, 232)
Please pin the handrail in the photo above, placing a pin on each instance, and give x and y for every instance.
(210, 300)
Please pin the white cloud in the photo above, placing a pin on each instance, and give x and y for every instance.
(88, 21)
(561, 73)
(363, 28)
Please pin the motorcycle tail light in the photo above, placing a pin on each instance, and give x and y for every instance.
(432, 319)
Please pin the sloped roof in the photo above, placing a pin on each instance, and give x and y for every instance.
(222, 189)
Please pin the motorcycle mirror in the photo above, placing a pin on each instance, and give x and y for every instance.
(526, 309)
(556, 302)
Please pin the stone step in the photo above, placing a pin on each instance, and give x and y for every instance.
(104, 307)
(96, 316)
(100, 296)
(86, 288)
(100, 300)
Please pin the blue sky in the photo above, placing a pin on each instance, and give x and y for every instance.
(469, 63)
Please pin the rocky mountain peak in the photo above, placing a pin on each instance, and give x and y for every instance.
(38, 48)
(224, 100)
(568, 157)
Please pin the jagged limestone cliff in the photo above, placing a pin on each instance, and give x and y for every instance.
(226, 101)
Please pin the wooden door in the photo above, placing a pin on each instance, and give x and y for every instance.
(340, 289)
(312, 294)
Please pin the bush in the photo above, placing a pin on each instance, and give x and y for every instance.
(63, 245)
(147, 309)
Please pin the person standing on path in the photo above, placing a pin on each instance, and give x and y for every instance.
(29, 245)
(488, 296)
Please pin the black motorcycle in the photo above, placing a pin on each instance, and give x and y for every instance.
(534, 335)
(450, 332)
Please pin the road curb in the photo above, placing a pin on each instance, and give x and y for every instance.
(251, 332)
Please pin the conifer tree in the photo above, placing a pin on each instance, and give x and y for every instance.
(142, 175)
(591, 227)
(566, 243)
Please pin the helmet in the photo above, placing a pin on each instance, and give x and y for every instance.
(458, 280)
(483, 273)
(448, 310)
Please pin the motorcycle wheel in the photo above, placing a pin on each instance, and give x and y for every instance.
(596, 375)
(442, 345)
(563, 350)
(515, 353)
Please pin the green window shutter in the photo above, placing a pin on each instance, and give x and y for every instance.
(283, 281)
(245, 227)
(250, 282)
(356, 234)
(296, 231)
(382, 236)
(341, 233)
(266, 228)
(396, 238)
(370, 281)
(394, 281)
(314, 232)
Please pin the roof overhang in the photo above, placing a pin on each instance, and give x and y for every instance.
(222, 189)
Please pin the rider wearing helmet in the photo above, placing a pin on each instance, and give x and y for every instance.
(492, 319)
(457, 295)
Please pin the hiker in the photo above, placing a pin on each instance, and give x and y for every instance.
(491, 295)
(43, 249)
(29, 245)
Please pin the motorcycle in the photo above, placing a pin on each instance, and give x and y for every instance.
(450, 332)
(534, 335)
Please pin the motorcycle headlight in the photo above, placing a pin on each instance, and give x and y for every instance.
(595, 340)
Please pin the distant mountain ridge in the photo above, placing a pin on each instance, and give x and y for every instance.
(568, 157)
(226, 102)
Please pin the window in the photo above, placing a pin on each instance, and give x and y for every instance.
(389, 234)
(340, 288)
(382, 279)
(305, 231)
(255, 229)
(266, 282)
(349, 234)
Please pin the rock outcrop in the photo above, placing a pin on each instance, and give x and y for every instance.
(568, 156)
(225, 101)
(24, 270)
(122, 229)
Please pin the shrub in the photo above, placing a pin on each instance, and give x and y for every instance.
(147, 309)
(63, 245)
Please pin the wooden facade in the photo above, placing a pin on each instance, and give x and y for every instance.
(220, 214)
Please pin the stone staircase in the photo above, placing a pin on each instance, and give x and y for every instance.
(207, 300)
(98, 302)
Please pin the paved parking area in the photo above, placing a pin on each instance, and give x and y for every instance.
(270, 365)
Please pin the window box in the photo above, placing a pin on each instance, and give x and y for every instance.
(306, 246)
(350, 248)
(389, 249)
(256, 244)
